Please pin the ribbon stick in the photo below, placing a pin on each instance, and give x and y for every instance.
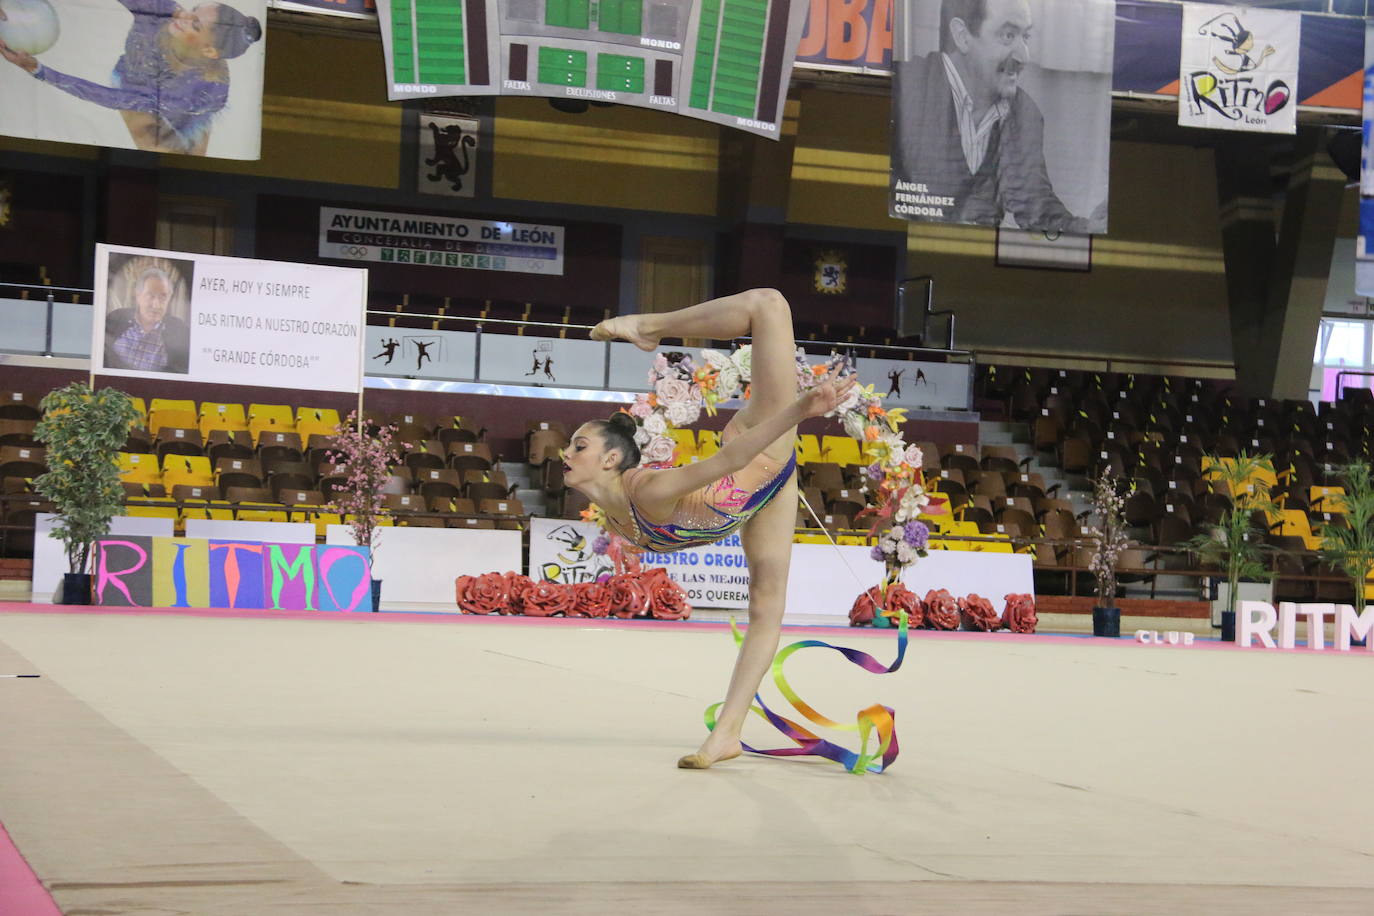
(876, 718)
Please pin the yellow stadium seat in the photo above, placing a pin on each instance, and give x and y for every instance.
(808, 448)
(217, 509)
(183, 478)
(142, 409)
(151, 512)
(322, 522)
(171, 404)
(1326, 499)
(841, 450)
(128, 461)
(327, 416)
(137, 468)
(1294, 521)
(175, 419)
(193, 464)
(708, 443)
(809, 538)
(214, 415)
(385, 521)
(261, 512)
(270, 418)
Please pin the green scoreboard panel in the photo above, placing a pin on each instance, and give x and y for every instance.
(727, 61)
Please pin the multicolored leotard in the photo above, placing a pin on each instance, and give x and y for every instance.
(711, 513)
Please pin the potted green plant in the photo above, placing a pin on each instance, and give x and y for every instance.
(1236, 544)
(83, 431)
(1350, 547)
(364, 458)
(1109, 542)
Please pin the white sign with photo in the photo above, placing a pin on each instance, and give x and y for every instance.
(231, 321)
(448, 155)
(135, 74)
(1238, 68)
(440, 241)
(1003, 120)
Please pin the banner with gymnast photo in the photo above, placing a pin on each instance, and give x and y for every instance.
(228, 321)
(135, 74)
(1001, 113)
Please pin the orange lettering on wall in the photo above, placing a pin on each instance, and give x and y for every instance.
(880, 31)
(813, 39)
(846, 16)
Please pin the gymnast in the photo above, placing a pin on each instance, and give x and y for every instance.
(749, 485)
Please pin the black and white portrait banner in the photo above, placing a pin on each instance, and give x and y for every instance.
(1001, 113)
(1238, 68)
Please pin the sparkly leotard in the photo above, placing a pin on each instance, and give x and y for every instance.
(716, 510)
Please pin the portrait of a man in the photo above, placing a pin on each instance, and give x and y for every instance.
(145, 327)
(968, 137)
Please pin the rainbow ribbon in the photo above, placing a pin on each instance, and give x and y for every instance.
(876, 718)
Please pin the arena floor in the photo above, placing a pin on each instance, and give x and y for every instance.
(413, 764)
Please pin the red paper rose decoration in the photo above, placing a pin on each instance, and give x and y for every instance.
(942, 610)
(590, 599)
(977, 613)
(546, 599)
(629, 598)
(518, 587)
(865, 606)
(667, 599)
(482, 594)
(1019, 614)
(903, 598)
(898, 596)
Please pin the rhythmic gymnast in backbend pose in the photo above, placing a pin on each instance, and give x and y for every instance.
(749, 485)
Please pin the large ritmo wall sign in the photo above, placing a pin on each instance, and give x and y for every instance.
(210, 573)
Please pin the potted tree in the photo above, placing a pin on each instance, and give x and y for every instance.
(1236, 544)
(83, 431)
(1350, 547)
(1109, 542)
(364, 458)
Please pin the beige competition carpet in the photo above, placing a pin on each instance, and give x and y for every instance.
(391, 764)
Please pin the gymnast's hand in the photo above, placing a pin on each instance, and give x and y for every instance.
(19, 58)
(831, 392)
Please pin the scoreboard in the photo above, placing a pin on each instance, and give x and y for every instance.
(727, 61)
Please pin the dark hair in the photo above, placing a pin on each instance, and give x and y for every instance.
(973, 12)
(618, 432)
(234, 32)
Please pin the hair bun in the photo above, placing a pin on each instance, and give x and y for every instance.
(624, 422)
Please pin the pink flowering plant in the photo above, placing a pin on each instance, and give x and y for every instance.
(1109, 537)
(365, 459)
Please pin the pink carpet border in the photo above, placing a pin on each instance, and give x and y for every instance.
(613, 622)
(21, 893)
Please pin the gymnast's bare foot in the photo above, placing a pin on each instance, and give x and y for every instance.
(625, 327)
(713, 750)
